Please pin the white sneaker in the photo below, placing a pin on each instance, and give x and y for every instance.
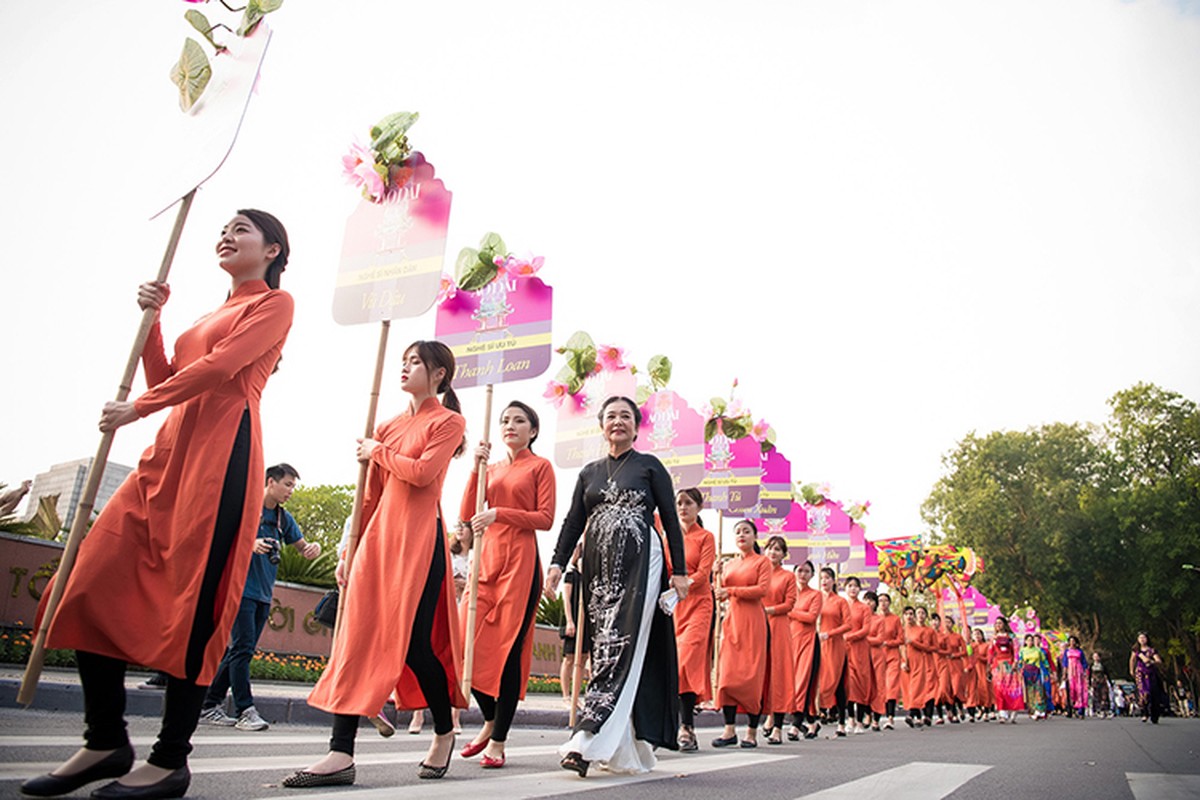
(216, 716)
(249, 720)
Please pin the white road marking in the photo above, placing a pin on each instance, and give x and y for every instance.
(1160, 786)
(919, 780)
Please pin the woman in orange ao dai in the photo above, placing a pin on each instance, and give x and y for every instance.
(781, 682)
(402, 564)
(892, 633)
(832, 625)
(172, 546)
(878, 660)
(975, 684)
(920, 661)
(693, 615)
(858, 656)
(802, 620)
(520, 501)
(743, 658)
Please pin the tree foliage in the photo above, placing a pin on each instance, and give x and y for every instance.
(320, 511)
(1090, 525)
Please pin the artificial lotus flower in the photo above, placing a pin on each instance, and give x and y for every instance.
(556, 392)
(760, 430)
(611, 357)
(735, 409)
(706, 411)
(517, 267)
(825, 489)
(360, 169)
(448, 289)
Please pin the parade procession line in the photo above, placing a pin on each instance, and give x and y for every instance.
(919, 780)
(557, 781)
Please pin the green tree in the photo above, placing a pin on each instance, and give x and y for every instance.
(321, 512)
(1017, 499)
(1154, 435)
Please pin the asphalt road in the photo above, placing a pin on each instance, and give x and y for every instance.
(1053, 759)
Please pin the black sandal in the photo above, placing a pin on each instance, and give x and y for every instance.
(576, 763)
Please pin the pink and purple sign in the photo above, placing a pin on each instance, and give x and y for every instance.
(498, 333)
(979, 610)
(674, 432)
(775, 496)
(732, 473)
(392, 252)
(827, 539)
(578, 439)
(791, 527)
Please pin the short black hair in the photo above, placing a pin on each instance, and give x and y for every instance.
(637, 412)
(277, 472)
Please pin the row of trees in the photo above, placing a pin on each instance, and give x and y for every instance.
(1098, 527)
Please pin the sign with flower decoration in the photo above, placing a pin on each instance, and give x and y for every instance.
(673, 432)
(395, 240)
(791, 527)
(863, 562)
(733, 445)
(213, 97)
(591, 375)
(827, 539)
(977, 610)
(499, 330)
(775, 496)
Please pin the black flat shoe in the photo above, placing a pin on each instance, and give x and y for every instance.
(793, 734)
(430, 772)
(174, 785)
(723, 742)
(576, 763)
(303, 779)
(113, 765)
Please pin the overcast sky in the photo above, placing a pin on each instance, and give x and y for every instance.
(895, 223)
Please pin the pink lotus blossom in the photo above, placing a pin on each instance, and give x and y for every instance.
(448, 289)
(866, 506)
(735, 409)
(517, 267)
(825, 490)
(556, 392)
(706, 411)
(581, 401)
(612, 357)
(359, 168)
(759, 430)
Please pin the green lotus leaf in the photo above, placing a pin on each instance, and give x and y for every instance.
(580, 340)
(660, 371)
(735, 429)
(255, 11)
(477, 276)
(492, 243)
(718, 406)
(565, 375)
(191, 73)
(201, 23)
(642, 394)
(710, 430)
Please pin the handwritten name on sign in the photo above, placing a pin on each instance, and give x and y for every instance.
(498, 333)
(392, 252)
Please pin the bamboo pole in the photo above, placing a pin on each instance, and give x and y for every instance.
(83, 512)
(577, 665)
(477, 548)
(356, 512)
(716, 666)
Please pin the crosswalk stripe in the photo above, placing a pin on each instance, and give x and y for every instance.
(919, 780)
(285, 764)
(199, 740)
(543, 784)
(1160, 786)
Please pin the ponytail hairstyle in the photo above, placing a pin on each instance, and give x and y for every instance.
(872, 598)
(273, 232)
(696, 497)
(435, 355)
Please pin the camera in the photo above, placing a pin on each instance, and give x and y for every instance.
(273, 553)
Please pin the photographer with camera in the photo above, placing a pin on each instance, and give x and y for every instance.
(276, 527)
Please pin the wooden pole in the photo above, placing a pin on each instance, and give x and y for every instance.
(356, 512)
(83, 512)
(477, 557)
(577, 665)
(716, 665)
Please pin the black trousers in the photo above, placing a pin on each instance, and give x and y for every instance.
(500, 710)
(103, 677)
(424, 663)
